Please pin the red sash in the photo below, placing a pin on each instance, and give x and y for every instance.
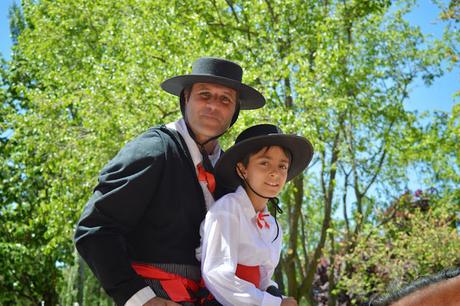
(176, 286)
(249, 273)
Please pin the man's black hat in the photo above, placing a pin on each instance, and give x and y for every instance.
(219, 71)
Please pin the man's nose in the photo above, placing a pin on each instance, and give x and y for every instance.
(212, 102)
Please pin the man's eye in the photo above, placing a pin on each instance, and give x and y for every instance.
(226, 100)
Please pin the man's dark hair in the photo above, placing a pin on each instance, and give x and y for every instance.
(423, 282)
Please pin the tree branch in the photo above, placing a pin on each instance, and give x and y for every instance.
(230, 4)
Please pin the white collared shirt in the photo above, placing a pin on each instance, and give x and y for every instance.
(145, 294)
(180, 126)
(196, 155)
(231, 237)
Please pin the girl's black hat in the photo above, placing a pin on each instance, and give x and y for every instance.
(255, 138)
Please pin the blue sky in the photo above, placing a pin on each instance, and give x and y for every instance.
(439, 96)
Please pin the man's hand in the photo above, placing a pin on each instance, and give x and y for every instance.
(289, 301)
(157, 301)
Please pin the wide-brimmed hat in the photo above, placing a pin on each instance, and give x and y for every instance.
(255, 138)
(219, 71)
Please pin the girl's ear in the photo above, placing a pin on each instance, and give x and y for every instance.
(240, 170)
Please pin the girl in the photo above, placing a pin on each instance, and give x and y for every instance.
(241, 242)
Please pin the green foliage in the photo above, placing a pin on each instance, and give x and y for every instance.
(84, 79)
(78, 284)
(419, 238)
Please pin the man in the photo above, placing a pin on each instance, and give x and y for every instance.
(139, 231)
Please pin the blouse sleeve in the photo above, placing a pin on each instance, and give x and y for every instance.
(219, 262)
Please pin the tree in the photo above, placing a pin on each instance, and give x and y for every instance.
(416, 236)
(85, 78)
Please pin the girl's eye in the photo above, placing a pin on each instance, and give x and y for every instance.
(283, 167)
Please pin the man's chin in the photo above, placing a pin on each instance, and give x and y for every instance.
(213, 129)
(207, 132)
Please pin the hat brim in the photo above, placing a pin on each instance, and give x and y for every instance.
(249, 97)
(300, 148)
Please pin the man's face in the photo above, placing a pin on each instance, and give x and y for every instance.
(209, 109)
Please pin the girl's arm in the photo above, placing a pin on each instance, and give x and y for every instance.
(220, 259)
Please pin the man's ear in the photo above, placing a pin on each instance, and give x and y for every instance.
(240, 170)
(186, 94)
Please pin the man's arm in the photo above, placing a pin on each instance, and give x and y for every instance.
(125, 189)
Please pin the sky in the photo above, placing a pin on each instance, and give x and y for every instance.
(437, 97)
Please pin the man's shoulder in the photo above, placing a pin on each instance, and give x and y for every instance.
(152, 143)
(154, 140)
(151, 146)
(156, 132)
(147, 143)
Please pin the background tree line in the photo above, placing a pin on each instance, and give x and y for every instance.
(84, 79)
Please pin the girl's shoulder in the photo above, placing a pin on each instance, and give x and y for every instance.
(229, 203)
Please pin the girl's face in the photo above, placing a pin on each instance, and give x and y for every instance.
(266, 171)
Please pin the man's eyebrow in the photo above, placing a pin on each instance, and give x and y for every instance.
(226, 92)
(230, 93)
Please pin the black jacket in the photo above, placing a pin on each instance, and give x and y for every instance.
(147, 207)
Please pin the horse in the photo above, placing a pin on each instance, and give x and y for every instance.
(441, 289)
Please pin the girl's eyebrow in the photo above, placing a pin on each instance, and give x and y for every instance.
(264, 156)
(285, 160)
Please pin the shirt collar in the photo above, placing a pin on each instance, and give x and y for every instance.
(244, 200)
(180, 126)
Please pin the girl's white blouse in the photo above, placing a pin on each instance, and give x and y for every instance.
(231, 237)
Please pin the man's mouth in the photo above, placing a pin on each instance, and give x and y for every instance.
(208, 116)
